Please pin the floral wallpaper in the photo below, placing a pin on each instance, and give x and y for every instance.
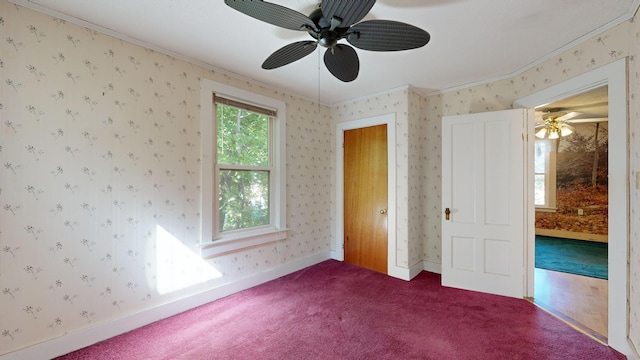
(100, 172)
(616, 43)
(415, 195)
(100, 180)
(394, 102)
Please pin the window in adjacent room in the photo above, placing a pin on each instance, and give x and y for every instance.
(545, 175)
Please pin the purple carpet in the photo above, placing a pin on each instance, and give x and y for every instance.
(334, 310)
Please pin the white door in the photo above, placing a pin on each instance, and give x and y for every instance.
(483, 167)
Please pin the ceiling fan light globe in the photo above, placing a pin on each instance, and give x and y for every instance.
(554, 135)
(566, 130)
(542, 133)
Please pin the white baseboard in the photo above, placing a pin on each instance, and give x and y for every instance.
(399, 273)
(405, 273)
(416, 269)
(432, 267)
(632, 353)
(85, 337)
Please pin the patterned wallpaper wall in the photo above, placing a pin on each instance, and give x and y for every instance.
(100, 180)
(395, 102)
(415, 200)
(100, 172)
(616, 43)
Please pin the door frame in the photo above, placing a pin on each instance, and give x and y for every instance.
(338, 244)
(614, 75)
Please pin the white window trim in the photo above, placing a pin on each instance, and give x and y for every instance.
(550, 184)
(237, 240)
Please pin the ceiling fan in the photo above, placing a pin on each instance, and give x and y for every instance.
(554, 127)
(556, 122)
(330, 22)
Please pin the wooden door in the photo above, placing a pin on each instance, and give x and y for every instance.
(365, 197)
(483, 166)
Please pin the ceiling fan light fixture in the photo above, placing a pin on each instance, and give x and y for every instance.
(554, 128)
(542, 133)
(566, 130)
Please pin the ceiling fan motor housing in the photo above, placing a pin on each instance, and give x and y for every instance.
(328, 38)
(327, 35)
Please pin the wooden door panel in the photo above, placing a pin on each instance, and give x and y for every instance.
(365, 195)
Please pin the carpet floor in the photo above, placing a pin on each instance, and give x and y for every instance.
(586, 258)
(335, 310)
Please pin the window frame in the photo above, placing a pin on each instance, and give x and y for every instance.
(550, 178)
(271, 168)
(212, 241)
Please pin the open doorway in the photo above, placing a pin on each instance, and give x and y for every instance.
(614, 75)
(571, 217)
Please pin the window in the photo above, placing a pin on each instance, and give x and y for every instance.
(545, 175)
(243, 169)
(244, 165)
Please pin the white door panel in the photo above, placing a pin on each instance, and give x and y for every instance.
(482, 185)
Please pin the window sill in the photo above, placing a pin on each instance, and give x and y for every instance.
(236, 242)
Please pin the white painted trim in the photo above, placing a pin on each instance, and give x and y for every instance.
(633, 355)
(432, 267)
(406, 274)
(206, 161)
(416, 269)
(338, 246)
(615, 76)
(83, 338)
(245, 240)
(399, 272)
(207, 120)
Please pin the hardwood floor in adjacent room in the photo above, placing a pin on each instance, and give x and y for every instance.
(581, 301)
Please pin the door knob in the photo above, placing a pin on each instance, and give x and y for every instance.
(383, 211)
(447, 212)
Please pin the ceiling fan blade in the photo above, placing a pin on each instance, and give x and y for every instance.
(567, 116)
(349, 11)
(387, 35)
(342, 61)
(587, 120)
(272, 13)
(288, 54)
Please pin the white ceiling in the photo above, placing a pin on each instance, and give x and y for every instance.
(471, 40)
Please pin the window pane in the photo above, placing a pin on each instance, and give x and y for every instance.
(539, 190)
(542, 148)
(243, 137)
(244, 199)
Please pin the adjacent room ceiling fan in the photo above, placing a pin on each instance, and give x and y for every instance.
(556, 122)
(330, 22)
(554, 127)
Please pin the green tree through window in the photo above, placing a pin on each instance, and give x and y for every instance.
(243, 168)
